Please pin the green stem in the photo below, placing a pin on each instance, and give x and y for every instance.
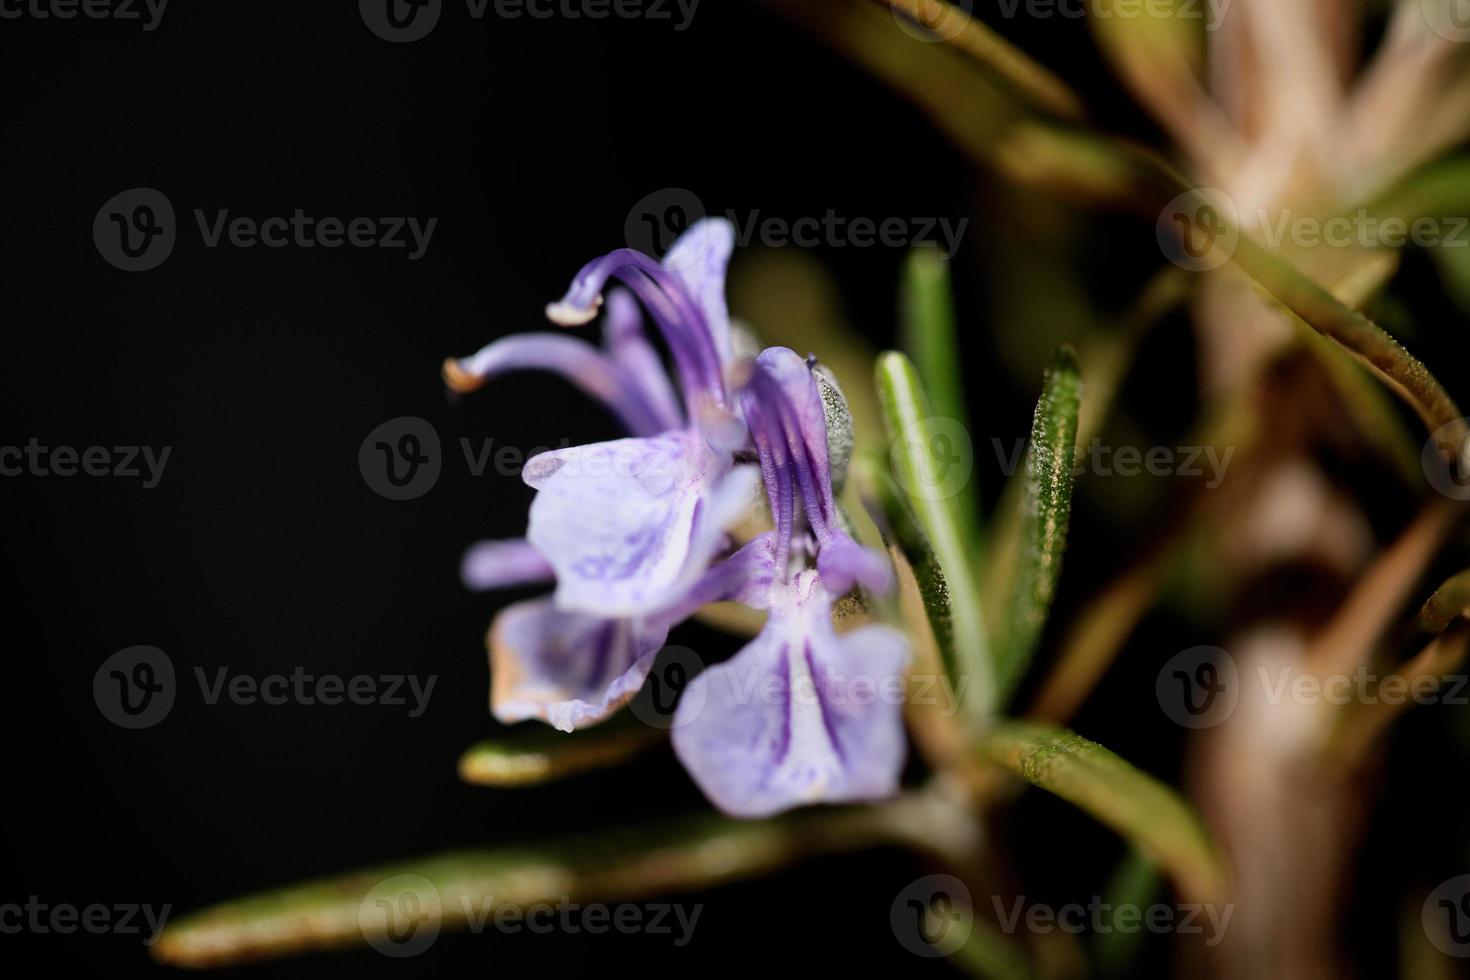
(466, 888)
(1028, 78)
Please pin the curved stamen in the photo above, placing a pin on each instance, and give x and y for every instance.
(678, 317)
(576, 360)
(626, 342)
(503, 564)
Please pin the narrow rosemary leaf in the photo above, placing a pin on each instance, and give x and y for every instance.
(902, 531)
(1149, 814)
(1449, 602)
(929, 337)
(921, 458)
(1045, 510)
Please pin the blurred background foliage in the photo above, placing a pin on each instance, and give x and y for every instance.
(1063, 140)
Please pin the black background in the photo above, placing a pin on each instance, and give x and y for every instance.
(263, 549)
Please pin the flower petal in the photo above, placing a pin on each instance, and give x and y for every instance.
(799, 716)
(746, 577)
(629, 525)
(844, 563)
(566, 669)
(502, 564)
(699, 258)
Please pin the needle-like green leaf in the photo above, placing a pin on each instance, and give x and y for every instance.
(1147, 813)
(1045, 510)
(989, 954)
(929, 337)
(933, 462)
(1451, 601)
(534, 753)
(464, 888)
(901, 530)
(1012, 66)
(1134, 883)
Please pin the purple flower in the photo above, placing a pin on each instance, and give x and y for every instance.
(632, 533)
(626, 529)
(796, 717)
